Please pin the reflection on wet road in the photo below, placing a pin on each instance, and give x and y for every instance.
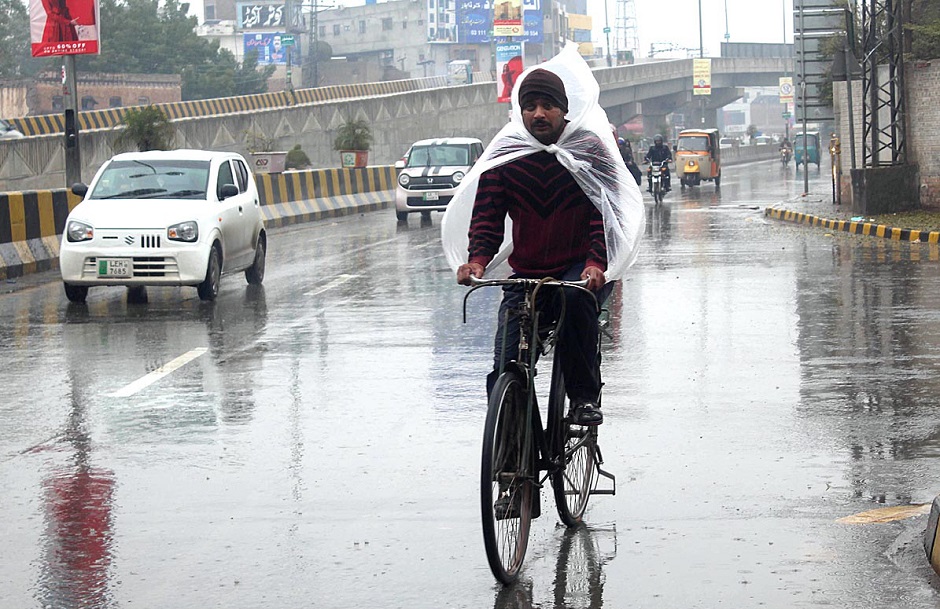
(315, 442)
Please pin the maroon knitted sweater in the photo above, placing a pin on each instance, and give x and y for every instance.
(554, 224)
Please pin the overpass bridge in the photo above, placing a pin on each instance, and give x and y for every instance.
(399, 112)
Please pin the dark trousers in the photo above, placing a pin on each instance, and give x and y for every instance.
(577, 342)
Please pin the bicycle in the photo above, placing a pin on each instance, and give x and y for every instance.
(517, 449)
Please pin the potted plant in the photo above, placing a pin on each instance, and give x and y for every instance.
(353, 140)
(264, 159)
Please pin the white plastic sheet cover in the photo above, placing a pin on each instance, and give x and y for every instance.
(610, 186)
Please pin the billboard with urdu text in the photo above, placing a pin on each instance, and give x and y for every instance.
(63, 27)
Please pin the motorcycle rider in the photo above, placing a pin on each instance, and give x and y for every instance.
(785, 144)
(659, 153)
(626, 151)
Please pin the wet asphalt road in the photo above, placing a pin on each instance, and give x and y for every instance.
(315, 443)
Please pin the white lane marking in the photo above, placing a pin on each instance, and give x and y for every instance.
(340, 280)
(159, 373)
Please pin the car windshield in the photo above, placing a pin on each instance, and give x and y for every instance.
(693, 143)
(440, 154)
(810, 141)
(153, 179)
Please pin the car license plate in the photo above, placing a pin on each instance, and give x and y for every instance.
(115, 267)
(431, 196)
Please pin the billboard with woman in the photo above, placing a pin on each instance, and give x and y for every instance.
(63, 27)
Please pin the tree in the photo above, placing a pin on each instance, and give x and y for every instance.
(157, 37)
(248, 80)
(16, 60)
(925, 26)
(751, 133)
(147, 128)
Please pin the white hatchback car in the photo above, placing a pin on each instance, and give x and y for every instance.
(430, 173)
(164, 218)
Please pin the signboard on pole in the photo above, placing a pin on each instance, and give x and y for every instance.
(270, 47)
(701, 76)
(63, 27)
(507, 18)
(509, 66)
(786, 90)
(475, 19)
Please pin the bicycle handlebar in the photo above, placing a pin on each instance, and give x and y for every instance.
(476, 283)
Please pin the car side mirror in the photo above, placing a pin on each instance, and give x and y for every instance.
(79, 189)
(228, 190)
(399, 164)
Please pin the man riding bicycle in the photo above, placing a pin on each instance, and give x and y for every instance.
(557, 232)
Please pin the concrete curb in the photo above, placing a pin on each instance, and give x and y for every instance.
(854, 227)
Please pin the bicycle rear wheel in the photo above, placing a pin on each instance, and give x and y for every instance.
(574, 447)
(507, 485)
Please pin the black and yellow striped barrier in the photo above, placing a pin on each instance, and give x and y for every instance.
(855, 228)
(32, 222)
(111, 117)
(304, 196)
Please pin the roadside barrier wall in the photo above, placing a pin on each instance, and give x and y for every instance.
(32, 222)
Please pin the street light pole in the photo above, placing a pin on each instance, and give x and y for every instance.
(701, 45)
(607, 33)
(727, 30)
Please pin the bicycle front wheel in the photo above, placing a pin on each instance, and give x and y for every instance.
(574, 450)
(506, 482)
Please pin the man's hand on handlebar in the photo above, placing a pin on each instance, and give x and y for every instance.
(595, 278)
(466, 270)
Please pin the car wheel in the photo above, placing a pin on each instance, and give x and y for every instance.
(255, 273)
(137, 294)
(209, 288)
(76, 293)
(402, 216)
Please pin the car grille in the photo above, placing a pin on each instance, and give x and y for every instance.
(419, 202)
(143, 241)
(144, 266)
(431, 183)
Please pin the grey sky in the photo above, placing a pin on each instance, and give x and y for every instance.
(676, 22)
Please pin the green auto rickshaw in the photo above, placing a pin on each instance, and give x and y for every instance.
(811, 150)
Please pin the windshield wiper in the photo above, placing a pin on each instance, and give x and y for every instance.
(129, 194)
(187, 193)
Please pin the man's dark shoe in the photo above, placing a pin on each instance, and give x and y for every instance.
(586, 413)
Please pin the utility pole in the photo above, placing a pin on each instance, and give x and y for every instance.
(73, 156)
(607, 34)
(701, 44)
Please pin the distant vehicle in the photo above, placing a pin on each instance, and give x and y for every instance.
(698, 157)
(182, 217)
(727, 142)
(460, 72)
(763, 140)
(8, 132)
(430, 172)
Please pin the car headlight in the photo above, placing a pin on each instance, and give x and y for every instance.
(404, 179)
(184, 231)
(79, 231)
(458, 176)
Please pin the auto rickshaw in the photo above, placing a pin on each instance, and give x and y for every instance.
(698, 157)
(812, 148)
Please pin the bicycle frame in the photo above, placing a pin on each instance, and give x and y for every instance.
(531, 346)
